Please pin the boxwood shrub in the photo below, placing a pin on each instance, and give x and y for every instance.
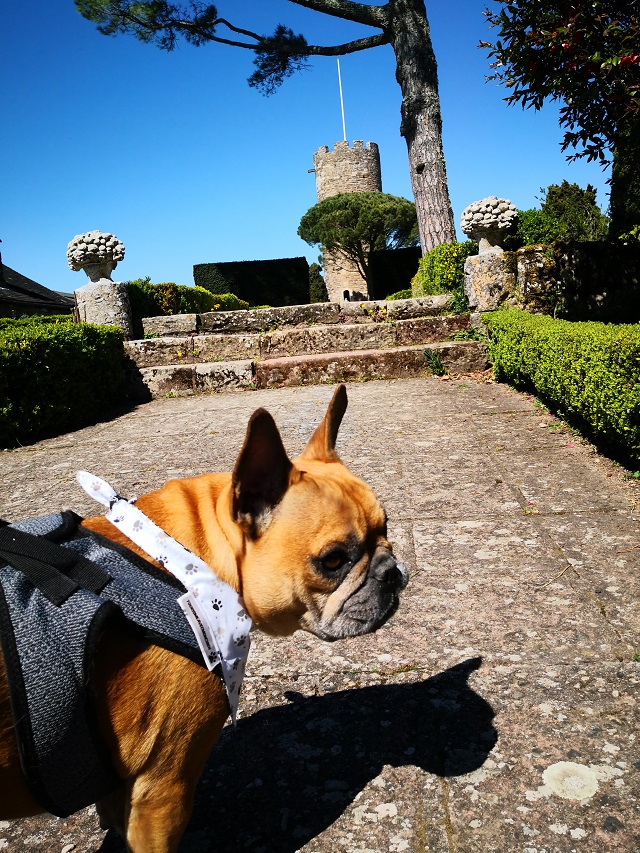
(589, 373)
(55, 377)
(154, 300)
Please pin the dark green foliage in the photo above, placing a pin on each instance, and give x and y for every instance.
(567, 212)
(625, 182)
(153, 21)
(392, 270)
(401, 294)
(56, 377)
(277, 57)
(584, 55)
(588, 372)
(533, 227)
(317, 286)
(357, 224)
(283, 281)
(442, 271)
(576, 211)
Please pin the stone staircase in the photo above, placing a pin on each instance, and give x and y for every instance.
(299, 345)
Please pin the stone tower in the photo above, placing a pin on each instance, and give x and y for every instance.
(345, 170)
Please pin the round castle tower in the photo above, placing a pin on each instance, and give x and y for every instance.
(346, 170)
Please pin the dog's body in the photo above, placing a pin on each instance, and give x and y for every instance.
(303, 543)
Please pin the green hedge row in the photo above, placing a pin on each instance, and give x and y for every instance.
(588, 372)
(155, 300)
(55, 377)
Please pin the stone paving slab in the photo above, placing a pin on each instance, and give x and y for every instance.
(496, 712)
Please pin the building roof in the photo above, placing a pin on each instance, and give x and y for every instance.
(17, 288)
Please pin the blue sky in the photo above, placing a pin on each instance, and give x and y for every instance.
(180, 159)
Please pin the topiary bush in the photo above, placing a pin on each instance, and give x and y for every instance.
(442, 271)
(277, 282)
(55, 377)
(588, 372)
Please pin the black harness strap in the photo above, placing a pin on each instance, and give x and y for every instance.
(56, 571)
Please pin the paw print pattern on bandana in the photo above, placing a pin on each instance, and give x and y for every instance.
(222, 618)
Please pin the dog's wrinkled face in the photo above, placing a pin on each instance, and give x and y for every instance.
(316, 554)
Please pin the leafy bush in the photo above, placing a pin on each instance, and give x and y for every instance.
(588, 372)
(154, 300)
(442, 271)
(401, 294)
(56, 377)
(567, 212)
(534, 227)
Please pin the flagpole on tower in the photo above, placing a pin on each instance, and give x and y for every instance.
(344, 128)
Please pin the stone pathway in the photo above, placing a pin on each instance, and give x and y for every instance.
(496, 712)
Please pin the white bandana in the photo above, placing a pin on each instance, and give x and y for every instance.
(213, 609)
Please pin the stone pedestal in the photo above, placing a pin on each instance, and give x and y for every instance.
(105, 303)
(489, 280)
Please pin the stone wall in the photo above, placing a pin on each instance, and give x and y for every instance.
(345, 170)
(571, 280)
(581, 281)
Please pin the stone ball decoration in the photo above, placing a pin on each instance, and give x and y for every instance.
(487, 221)
(94, 249)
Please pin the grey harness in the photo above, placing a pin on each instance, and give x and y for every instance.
(60, 586)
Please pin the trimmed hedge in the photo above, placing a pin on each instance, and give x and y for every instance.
(35, 319)
(588, 372)
(391, 270)
(55, 377)
(155, 300)
(282, 281)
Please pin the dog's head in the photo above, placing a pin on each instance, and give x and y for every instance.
(316, 554)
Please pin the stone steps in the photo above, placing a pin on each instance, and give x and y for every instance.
(299, 345)
(291, 341)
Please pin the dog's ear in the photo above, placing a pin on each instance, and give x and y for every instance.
(322, 444)
(261, 476)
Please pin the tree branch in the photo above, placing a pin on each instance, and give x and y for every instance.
(348, 47)
(373, 16)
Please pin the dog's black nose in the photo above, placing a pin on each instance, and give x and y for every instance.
(385, 569)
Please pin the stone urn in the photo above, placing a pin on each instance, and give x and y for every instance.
(101, 301)
(488, 221)
(489, 276)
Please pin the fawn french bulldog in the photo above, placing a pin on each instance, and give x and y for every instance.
(304, 545)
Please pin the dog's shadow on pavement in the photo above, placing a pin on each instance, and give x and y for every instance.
(287, 773)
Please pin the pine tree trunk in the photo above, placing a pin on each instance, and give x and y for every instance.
(417, 74)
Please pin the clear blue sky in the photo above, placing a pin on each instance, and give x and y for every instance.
(177, 156)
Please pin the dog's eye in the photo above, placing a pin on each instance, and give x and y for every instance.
(334, 560)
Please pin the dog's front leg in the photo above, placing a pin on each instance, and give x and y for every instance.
(158, 813)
